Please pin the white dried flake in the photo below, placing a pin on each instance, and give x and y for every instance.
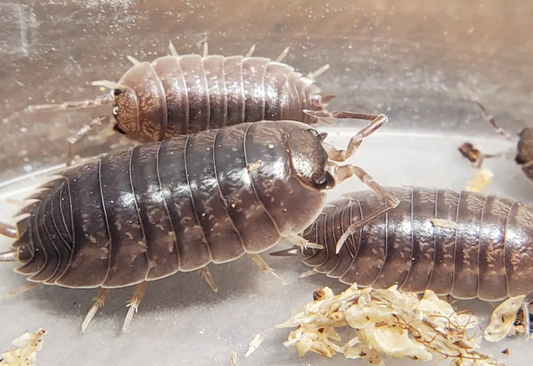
(503, 318)
(234, 361)
(480, 181)
(26, 354)
(444, 223)
(254, 344)
(386, 323)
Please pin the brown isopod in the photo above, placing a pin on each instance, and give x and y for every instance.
(139, 215)
(176, 95)
(523, 155)
(461, 244)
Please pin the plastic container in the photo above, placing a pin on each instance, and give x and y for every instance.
(418, 62)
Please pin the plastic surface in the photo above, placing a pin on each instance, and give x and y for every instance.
(181, 322)
(419, 62)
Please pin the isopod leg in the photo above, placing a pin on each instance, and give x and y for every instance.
(25, 288)
(283, 54)
(134, 304)
(490, 118)
(206, 274)
(133, 60)
(251, 52)
(172, 49)
(82, 132)
(8, 230)
(81, 104)
(265, 268)
(343, 172)
(9, 256)
(526, 320)
(313, 75)
(302, 242)
(376, 122)
(98, 303)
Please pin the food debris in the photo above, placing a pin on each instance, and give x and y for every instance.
(503, 319)
(480, 181)
(254, 344)
(469, 151)
(506, 351)
(234, 361)
(26, 354)
(387, 322)
(444, 223)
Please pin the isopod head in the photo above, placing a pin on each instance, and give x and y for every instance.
(309, 160)
(525, 151)
(125, 112)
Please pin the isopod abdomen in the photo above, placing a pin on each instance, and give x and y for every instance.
(462, 244)
(139, 215)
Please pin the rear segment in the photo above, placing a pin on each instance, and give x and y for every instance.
(488, 255)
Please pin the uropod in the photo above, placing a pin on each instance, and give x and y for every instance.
(139, 215)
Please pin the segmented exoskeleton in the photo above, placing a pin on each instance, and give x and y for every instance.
(180, 94)
(482, 249)
(139, 215)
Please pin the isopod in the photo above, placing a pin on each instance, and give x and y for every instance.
(523, 155)
(481, 248)
(143, 214)
(180, 94)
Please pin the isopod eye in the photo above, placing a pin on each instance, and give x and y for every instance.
(325, 181)
(118, 129)
(117, 92)
(314, 133)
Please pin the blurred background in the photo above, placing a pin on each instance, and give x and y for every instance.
(413, 60)
(420, 62)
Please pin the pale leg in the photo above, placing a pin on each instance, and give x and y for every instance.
(492, 121)
(134, 304)
(26, 287)
(206, 274)
(265, 268)
(133, 60)
(298, 241)
(206, 49)
(172, 49)
(9, 256)
(82, 104)
(343, 172)
(251, 52)
(8, 230)
(283, 54)
(313, 75)
(376, 122)
(82, 132)
(98, 303)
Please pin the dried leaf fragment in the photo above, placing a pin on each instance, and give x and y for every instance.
(503, 318)
(254, 344)
(444, 223)
(386, 322)
(26, 354)
(234, 361)
(480, 181)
